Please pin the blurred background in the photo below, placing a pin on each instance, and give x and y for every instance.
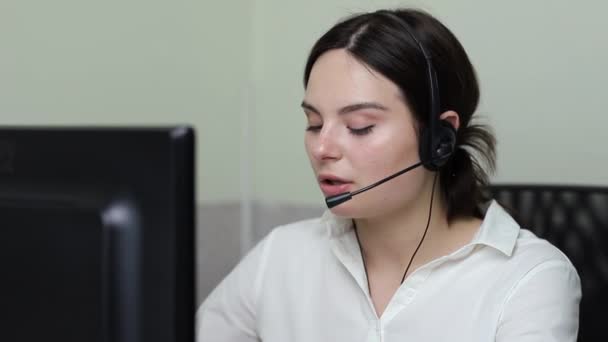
(233, 70)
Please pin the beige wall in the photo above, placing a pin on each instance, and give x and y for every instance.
(133, 62)
(233, 69)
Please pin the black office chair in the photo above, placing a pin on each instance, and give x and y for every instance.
(574, 219)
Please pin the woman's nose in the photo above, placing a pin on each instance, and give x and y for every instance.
(327, 145)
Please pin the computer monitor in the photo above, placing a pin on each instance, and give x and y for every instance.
(97, 234)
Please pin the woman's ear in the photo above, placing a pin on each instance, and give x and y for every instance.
(452, 118)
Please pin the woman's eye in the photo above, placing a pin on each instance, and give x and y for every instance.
(313, 128)
(361, 131)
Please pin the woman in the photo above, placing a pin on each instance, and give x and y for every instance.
(421, 256)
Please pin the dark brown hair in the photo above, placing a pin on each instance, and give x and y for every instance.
(378, 40)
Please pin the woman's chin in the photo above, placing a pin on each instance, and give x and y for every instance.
(341, 210)
(352, 209)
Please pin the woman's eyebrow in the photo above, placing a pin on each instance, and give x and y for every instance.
(348, 109)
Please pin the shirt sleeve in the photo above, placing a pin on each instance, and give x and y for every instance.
(228, 314)
(543, 306)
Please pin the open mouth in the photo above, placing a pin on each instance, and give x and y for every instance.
(332, 182)
(333, 185)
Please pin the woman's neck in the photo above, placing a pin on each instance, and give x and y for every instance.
(390, 240)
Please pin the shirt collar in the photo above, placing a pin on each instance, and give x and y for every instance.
(498, 229)
(336, 226)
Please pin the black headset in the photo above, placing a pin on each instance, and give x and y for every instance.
(438, 139)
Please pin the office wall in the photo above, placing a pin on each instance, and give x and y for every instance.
(133, 62)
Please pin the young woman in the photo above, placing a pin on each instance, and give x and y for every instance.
(421, 256)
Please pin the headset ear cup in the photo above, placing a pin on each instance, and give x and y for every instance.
(446, 143)
(436, 149)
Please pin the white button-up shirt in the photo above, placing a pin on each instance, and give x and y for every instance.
(306, 282)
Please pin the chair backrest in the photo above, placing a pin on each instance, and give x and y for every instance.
(574, 219)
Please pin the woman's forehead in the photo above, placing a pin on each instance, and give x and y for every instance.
(338, 79)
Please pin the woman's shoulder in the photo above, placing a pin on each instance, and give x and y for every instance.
(519, 261)
(299, 233)
(522, 247)
(537, 251)
(293, 246)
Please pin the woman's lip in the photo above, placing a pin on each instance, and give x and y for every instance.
(328, 176)
(334, 189)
